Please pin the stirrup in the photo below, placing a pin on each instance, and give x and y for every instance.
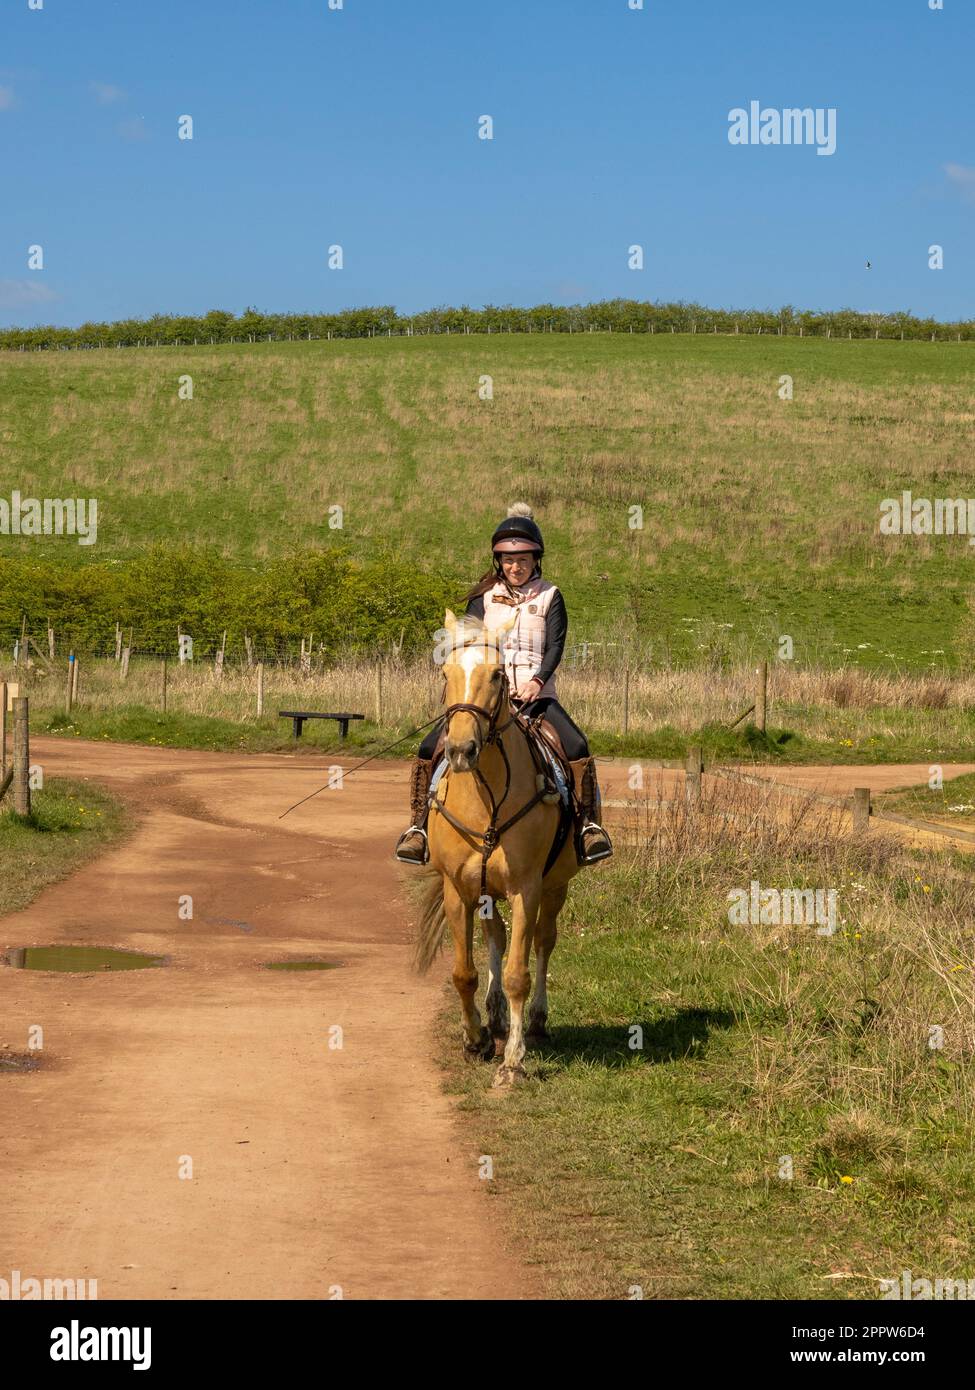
(406, 859)
(598, 855)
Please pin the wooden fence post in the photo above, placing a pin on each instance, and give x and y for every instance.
(692, 780)
(74, 681)
(163, 684)
(126, 653)
(260, 689)
(761, 696)
(69, 693)
(50, 641)
(21, 761)
(861, 810)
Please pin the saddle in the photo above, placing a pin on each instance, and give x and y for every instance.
(547, 738)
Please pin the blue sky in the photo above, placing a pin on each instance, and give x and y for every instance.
(359, 127)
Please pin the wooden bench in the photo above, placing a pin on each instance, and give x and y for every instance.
(298, 716)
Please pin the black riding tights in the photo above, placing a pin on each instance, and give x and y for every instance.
(573, 739)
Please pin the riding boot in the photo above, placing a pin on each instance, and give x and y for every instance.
(592, 842)
(411, 847)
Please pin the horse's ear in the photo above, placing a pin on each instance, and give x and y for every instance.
(449, 622)
(507, 626)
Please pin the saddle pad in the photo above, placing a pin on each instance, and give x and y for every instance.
(555, 768)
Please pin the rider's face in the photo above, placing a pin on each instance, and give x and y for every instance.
(518, 567)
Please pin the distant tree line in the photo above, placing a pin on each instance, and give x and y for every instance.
(615, 315)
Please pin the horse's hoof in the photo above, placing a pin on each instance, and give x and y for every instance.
(484, 1048)
(535, 1036)
(506, 1076)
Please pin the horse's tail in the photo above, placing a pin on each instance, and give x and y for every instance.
(433, 919)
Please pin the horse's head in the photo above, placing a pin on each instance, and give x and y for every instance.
(475, 688)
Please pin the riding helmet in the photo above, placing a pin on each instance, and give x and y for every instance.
(518, 532)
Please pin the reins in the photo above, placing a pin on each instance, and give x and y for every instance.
(378, 753)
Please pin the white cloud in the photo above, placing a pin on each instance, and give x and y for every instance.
(963, 178)
(6, 98)
(21, 294)
(106, 94)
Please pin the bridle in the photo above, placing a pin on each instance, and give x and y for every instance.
(491, 837)
(492, 716)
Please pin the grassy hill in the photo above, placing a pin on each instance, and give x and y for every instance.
(758, 512)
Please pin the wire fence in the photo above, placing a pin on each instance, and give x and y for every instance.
(26, 648)
(791, 330)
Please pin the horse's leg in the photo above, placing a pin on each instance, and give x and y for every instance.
(517, 978)
(546, 934)
(460, 915)
(496, 1003)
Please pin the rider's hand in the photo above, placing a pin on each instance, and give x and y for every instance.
(530, 690)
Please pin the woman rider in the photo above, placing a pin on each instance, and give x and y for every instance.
(532, 652)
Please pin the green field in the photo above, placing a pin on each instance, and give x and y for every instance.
(758, 513)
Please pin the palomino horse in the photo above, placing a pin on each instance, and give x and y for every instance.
(490, 834)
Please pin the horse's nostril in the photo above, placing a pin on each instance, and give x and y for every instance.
(466, 752)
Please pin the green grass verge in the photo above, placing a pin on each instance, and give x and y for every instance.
(138, 724)
(954, 800)
(70, 822)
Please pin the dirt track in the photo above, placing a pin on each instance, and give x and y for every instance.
(312, 1167)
